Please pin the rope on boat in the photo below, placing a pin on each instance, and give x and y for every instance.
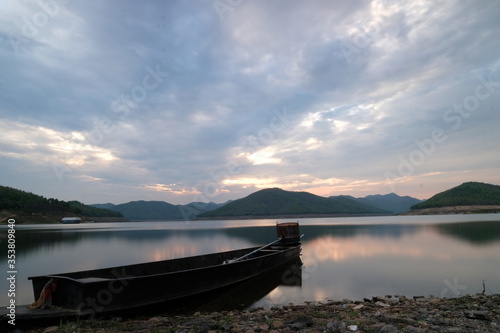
(257, 250)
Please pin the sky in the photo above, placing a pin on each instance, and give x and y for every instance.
(212, 100)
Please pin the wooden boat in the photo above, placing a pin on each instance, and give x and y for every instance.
(120, 288)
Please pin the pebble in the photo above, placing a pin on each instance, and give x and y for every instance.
(382, 304)
(335, 327)
(481, 315)
(490, 304)
(389, 329)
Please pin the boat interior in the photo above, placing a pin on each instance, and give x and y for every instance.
(165, 266)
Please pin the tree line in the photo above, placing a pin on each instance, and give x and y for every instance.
(15, 200)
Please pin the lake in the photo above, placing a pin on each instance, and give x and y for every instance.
(354, 258)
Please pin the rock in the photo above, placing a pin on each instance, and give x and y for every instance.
(382, 304)
(412, 329)
(264, 327)
(142, 326)
(407, 321)
(305, 320)
(434, 299)
(227, 326)
(200, 325)
(482, 315)
(277, 324)
(389, 329)
(490, 304)
(335, 326)
(51, 329)
(298, 326)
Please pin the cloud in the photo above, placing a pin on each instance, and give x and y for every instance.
(166, 100)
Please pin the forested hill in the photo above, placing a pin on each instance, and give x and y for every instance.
(28, 207)
(276, 202)
(146, 210)
(467, 194)
(159, 210)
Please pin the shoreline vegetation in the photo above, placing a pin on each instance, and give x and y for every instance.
(26, 207)
(38, 218)
(419, 314)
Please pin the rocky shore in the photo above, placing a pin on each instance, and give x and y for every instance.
(476, 313)
(471, 209)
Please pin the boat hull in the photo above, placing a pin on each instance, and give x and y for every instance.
(126, 287)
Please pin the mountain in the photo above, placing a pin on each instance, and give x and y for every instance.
(467, 194)
(105, 206)
(146, 210)
(278, 202)
(391, 202)
(28, 207)
(159, 210)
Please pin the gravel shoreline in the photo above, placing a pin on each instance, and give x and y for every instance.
(470, 313)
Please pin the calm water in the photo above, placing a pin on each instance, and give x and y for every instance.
(342, 257)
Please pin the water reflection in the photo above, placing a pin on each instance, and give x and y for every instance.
(246, 294)
(479, 232)
(51, 240)
(404, 255)
(361, 261)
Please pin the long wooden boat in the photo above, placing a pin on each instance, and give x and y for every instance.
(120, 288)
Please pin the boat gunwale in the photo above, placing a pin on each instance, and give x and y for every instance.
(103, 280)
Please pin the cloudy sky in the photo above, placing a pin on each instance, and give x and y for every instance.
(210, 100)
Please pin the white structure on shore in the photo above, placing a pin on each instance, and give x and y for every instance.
(71, 220)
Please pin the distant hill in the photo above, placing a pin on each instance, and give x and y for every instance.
(28, 207)
(159, 210)
(390, 202)
(471, 197)
(277, 202)
(105, 206)
(471, 193)
(86, 210)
